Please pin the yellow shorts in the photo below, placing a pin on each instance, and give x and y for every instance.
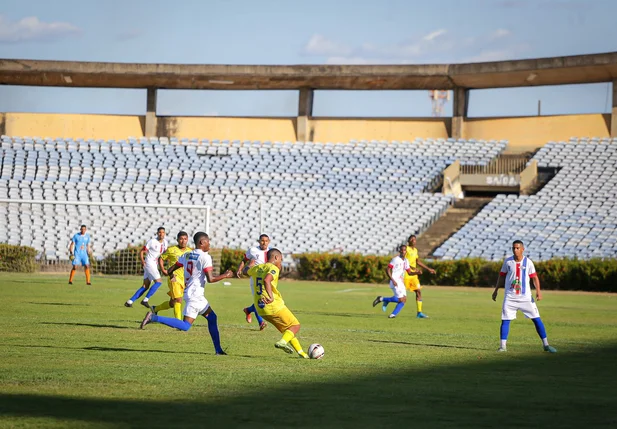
(176, 289)
(282, 319)
(412, 283)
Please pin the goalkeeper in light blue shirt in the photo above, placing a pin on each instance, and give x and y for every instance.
(80, 251)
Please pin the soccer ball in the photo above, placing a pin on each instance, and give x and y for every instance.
(316, 351)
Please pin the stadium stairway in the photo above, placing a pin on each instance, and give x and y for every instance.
(452, 220)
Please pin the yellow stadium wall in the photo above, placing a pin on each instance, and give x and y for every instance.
(530, 132)
(345, 129)
(71, 125)
(231, 128)
(523, 133)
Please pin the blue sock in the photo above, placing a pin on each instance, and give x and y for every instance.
(252, 309)
(214, 331)
(398, 308)
(153, 289)
(172, 322)
(505, 329)
(539, 327)
(138, 294)
(390, 299)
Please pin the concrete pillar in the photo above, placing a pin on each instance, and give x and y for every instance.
(150, 127)
(460, 110)
(614, 111)
(305, 112)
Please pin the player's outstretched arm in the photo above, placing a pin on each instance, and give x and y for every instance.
(247, 267)
(426, 267)
(536, 283)
(213, 279)
(240, 270)
(501, 281)
(417, 272)
(171, 269)
(142, 254)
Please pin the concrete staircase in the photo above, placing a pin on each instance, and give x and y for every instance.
(455, 217)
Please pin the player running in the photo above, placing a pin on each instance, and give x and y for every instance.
(175, 282)
(197, 266)
(149, 256)
(412, 282)
(258, 254)
(79, 251)
(270, 304)
(395, 270)
(514, 275)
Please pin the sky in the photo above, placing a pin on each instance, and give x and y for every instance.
(316, 32)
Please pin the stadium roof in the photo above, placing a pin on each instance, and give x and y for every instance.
(500, 74)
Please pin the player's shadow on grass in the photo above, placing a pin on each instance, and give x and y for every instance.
(447, 346)
(498, 390)
(91, 325)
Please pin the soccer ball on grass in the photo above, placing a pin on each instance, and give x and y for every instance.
(316, 351)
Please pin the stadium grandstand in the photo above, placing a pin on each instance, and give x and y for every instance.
(329, 183)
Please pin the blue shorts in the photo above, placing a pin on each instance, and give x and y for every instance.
(81, 259)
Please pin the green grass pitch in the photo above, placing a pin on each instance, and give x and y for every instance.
(73, 356)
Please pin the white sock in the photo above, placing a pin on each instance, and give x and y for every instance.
(545, 342)
(129, 302)
(503, 344)
(146, 299)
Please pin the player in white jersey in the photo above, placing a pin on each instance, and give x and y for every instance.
(150, 259)
(516, 273)
(259, 255)
(198, 268)
(398, 266)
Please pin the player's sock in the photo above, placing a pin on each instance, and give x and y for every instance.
(296, 345)
(178, 310)
(172, 322)
(390, 299)
(419, 306)
(138, 294)
(541, 330)
(398, 308)
(72, 276)
(502, 344)
(87, 275)
(214, 331)
(503, 332)
(153, 290)
(161, 307)
(287, 336)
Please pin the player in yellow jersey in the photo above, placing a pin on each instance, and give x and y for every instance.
(412, 282)
(269, 302)
(176, 281)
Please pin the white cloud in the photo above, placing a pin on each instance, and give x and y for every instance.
(434, 35)
(32, 28)
(321, 45)
(500, 32)
(438, 46)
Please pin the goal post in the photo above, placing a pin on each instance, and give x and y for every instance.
(118, 230)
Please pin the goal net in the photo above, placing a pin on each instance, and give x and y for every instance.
(118, 230)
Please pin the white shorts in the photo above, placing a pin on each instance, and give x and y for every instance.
(195, 307)
(151, 272)
(510, 307)
(398, 290)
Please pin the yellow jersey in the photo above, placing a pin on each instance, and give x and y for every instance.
(412, 257)
(259, 273)
(171, 256)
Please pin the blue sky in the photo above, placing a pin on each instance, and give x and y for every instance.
(316, 32)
